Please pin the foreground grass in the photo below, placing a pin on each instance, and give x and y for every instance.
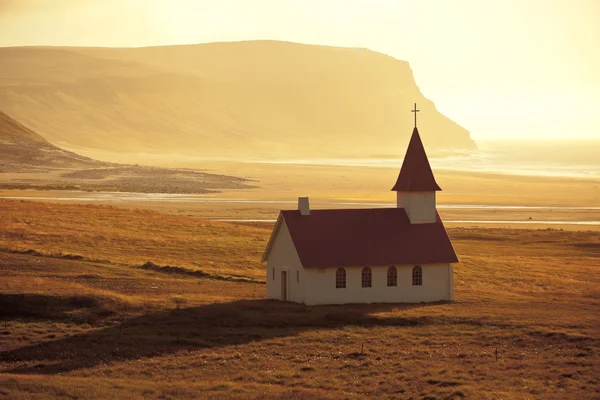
(524, 325)
(105, 233)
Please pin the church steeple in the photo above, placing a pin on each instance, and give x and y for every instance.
(416, 174)
(416, 186)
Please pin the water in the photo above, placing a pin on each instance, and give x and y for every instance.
(555, 158)
(575, 159)
(185, 198)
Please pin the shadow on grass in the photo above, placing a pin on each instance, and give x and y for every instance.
(39, 307)
(209, 326)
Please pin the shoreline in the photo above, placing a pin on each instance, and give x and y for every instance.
(201, 198)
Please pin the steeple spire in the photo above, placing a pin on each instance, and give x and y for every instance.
(416, 174)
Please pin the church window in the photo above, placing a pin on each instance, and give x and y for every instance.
(392, 276)
(297, 276)
(417, 276)
(340, 278)
(366, 277)
(273, 273)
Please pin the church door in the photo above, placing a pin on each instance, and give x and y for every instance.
(284, 285)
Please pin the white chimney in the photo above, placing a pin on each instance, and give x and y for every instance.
(303, 205)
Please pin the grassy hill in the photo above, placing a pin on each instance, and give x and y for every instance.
(81, 319)
(243, 99)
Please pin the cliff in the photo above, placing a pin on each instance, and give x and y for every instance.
(257, 99)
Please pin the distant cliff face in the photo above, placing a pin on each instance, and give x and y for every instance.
(258, 99)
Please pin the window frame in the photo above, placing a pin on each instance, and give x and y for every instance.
(417, 276)
(340, 278)
(366, 277)
(392, 276)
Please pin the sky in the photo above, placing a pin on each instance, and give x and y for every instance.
(526, 69)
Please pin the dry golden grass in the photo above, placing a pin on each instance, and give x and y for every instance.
(115, 235)
(84, 329)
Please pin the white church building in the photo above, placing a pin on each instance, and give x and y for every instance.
(376, 255)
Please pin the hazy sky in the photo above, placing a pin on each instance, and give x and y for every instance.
(502, 69)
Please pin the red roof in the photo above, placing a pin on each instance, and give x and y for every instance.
(415, 174)
(378, 236)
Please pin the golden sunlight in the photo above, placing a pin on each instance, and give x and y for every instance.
(505, 70)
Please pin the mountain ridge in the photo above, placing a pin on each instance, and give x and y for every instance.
(254, 99)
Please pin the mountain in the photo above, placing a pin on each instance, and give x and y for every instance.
(22, 149)
(256, 99)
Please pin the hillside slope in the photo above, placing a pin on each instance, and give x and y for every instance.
(22, 149)
(242, 99)
(28, 161)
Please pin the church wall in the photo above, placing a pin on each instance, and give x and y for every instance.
(283, 256)
(402, 200)
(437, 280)
(420, 206)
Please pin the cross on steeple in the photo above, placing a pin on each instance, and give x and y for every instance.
(415, 111)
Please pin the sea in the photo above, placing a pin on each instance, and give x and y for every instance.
(552, 158)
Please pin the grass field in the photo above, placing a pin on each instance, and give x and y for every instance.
(132, 237)
(80, 317)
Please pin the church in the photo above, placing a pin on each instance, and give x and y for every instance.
(371, 255)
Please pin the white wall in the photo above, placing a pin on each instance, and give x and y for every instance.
(283, 257)
(420, 206)
(437, 280)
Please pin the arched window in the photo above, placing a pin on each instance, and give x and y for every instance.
(417, 276)
(366, 277)
(392, 276)
(297, 276)
(340, 278)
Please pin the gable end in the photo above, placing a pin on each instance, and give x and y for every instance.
(271, 242)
